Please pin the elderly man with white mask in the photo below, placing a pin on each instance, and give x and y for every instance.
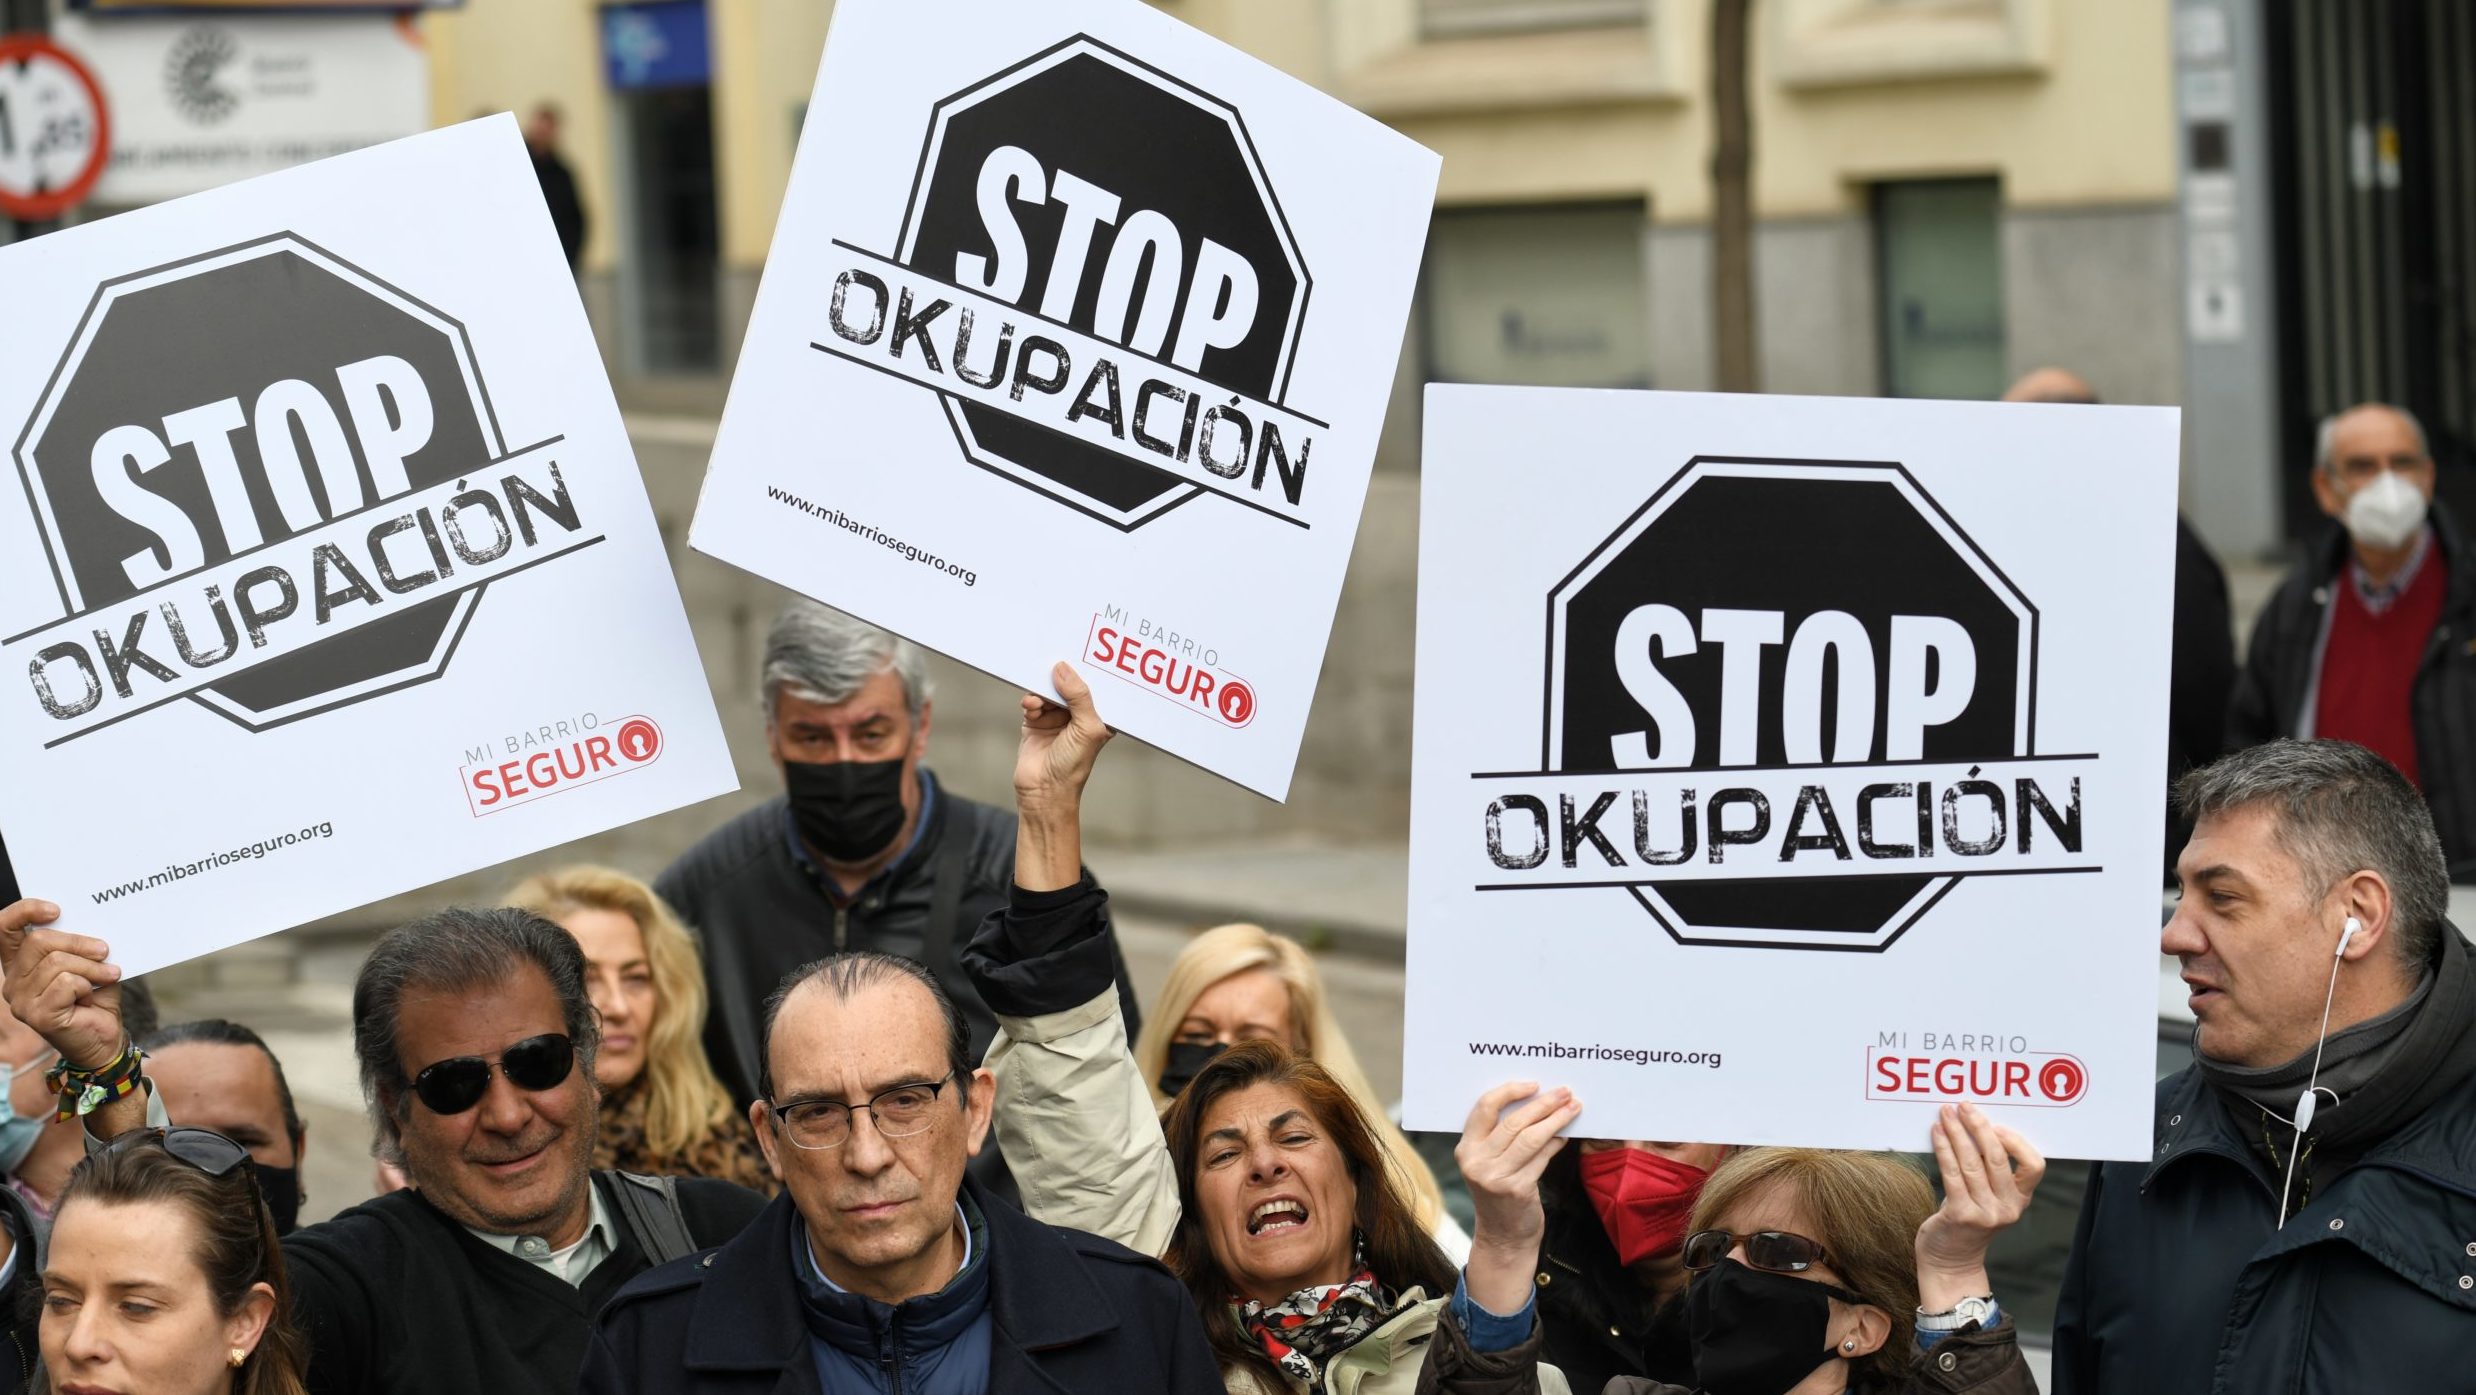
(2372, 639)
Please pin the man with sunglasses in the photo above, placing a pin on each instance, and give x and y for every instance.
(2372, 638)
(475, 1042)
(884, 1267)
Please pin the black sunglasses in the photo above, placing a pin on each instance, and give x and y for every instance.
(1772, 1251)
(457, 1084)
(204, 1149)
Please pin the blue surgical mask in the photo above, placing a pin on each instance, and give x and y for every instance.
(17, 1133)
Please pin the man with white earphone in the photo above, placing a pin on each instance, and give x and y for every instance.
(2307, 1221)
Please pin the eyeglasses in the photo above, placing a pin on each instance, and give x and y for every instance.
(457, 1084)
(1772, 1251)
(204, 1149)
(900, 1112)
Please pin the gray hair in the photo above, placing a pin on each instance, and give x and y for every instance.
(844, 975)
(818, 654)
(2325, 439)
(2341, 810)
(457, 951)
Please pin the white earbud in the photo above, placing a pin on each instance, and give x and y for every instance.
(2308, 1103)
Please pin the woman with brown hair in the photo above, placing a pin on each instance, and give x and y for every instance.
(664, 1112)
(1822, 1273)
(164, 1276)
(1267, 1190)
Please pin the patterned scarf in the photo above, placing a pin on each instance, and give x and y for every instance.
(1304, 1331)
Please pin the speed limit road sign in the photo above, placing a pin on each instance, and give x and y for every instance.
(55, 135)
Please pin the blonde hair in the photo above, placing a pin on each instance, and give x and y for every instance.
(1865, 1209)
(1225, 950)
(684, 1100)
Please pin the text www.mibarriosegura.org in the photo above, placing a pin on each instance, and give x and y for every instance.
(182, 871)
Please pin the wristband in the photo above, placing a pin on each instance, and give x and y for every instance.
(82, 1092)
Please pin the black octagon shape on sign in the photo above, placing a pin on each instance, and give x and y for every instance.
(227, 325)
(1160, 147)
(1794, 537)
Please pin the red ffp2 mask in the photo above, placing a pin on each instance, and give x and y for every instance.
(1642, 1199)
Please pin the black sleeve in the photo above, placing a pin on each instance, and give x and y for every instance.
(716, 1211)
(677, 891)
(1047, 951)
(2075, 1367)
(681, 889)
(1129, 1007)
(604, 1373)
(2251, 719)
(2204, 656)
(331, 1307)
(9, 894)
(1188, 1365)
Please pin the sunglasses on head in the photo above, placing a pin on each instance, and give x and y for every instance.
(204, 1149)
(457, 1084)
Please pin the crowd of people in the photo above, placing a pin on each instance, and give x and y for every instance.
(857, 1096)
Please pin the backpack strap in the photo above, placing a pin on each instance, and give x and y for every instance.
(649, 1208)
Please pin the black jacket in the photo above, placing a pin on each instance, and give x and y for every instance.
(20, 1346)
(2202, 673)
(2180, 1281)
(393, 1296)
(567, 208)
(1599, 1320)
(759, 912)
(2278, 671)
(1074, 1315)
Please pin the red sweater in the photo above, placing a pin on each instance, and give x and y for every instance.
(2368, 669)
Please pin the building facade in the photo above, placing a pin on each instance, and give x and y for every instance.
(1948, 192)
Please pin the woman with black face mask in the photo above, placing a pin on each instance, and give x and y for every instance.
(1833, 1273)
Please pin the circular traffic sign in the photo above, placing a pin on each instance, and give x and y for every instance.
(55, 134)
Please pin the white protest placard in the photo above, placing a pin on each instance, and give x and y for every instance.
(1785, 768)
(1074, 344)
(327, 571)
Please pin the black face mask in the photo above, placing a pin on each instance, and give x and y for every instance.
(1186, 1058)
(1755, 1333)
(281, 1186)
(848, 811)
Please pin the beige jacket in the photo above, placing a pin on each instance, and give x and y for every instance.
(1076, 1123)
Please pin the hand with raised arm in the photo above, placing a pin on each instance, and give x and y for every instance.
(60, 985)
(1506, 1144)
(1061, 740)
(1990, 1175)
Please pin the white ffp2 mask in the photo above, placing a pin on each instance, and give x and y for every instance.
(2385, 513)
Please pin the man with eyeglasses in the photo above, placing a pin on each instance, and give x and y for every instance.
(475, 1041)
(2372, 639)
(884, 1267)
(864, 850)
